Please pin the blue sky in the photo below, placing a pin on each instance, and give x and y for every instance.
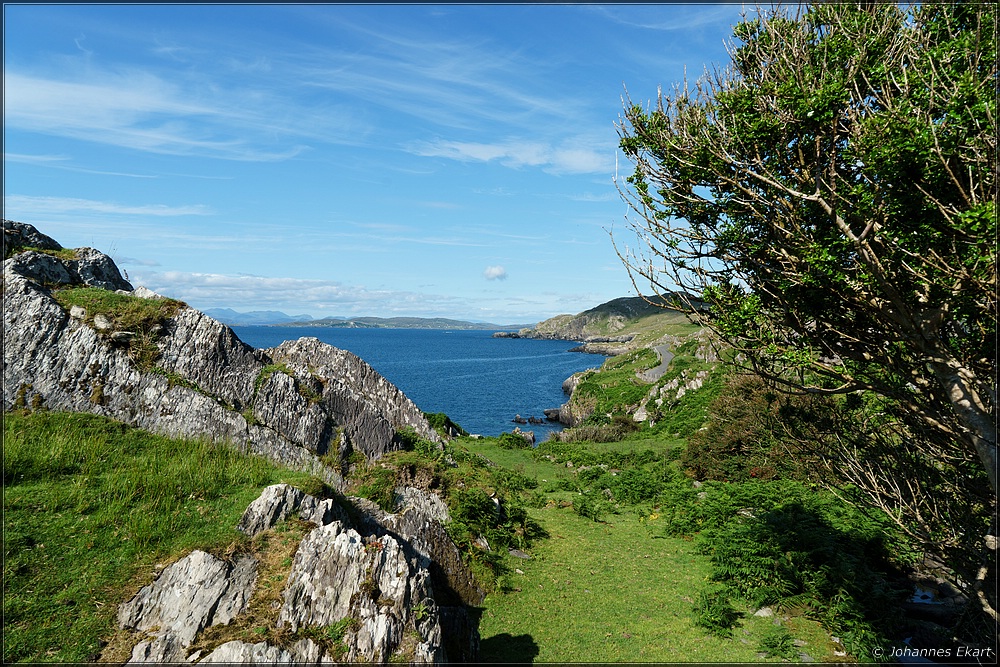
(346, 160)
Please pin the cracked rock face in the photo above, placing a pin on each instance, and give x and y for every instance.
(376, 585)
(194, 593)
(291, 404)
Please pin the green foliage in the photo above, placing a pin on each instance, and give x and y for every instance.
(67, 254)
(378, 484)
(90, 505)
(513, 441)
(785, 543)
(144, 318)
(751, 434)
(614, 388)
(777, 642)
(831, 198)
(714, 612)
(599, 428)
(443, 424)
(592, 505)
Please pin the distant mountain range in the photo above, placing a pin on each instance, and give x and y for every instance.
(255, 317)
(278, 318)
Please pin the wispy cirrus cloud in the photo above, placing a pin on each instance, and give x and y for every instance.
(26, 205)
(182, 116)
(568, 158)
(206, 290)
(682, 18)
(62, 162)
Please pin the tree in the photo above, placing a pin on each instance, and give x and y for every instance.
(827, 206)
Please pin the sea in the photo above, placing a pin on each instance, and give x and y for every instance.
(479, 381)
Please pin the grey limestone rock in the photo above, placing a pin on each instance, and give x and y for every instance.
(280, 501)
(370, 408)
(371, 576)
(292, 404)
(21, 235)
(88, 267)
(239, 653)
(194, 593)
(338, 574)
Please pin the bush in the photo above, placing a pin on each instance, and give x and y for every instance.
(747, 435)
(784, 543)
(513, 441)
(778, 643)
(443, 424)
(378, 484)
(636, 485)
(592, 505)
(714, 612)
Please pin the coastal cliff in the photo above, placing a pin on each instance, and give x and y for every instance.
(611, 329)
(179, 372)
(79, 338)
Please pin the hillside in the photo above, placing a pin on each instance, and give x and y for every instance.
(614, 327)
(363, 585)
(398, 323)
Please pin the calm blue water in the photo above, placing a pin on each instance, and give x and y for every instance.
(479, 381)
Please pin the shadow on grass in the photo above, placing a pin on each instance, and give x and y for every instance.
(506, 648)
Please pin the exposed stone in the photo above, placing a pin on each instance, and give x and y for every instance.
(102, 322)
(330, 400)
(280, 501)
(22, 235)
(237, 652)
(337, 574)
(194, 593)
(425, 503)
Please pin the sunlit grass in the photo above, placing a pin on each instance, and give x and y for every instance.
(91, 506)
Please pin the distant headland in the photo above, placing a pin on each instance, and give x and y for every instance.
(278, 318)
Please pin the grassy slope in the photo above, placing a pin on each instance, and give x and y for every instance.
(94, 509)
(621, 317)
(613, 591)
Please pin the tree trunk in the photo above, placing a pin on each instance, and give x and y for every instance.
(981, 429)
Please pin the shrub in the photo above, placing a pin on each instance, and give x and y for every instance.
(378, 484)
(787, 544)
(777, 642)
(513, 441)
(443, 424)
(714, 612)
(748, 435)
(592, 505)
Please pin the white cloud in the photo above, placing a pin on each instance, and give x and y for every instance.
(571, 158)
(319, 297)
(495, 273)
(142, 111)
(25, 205)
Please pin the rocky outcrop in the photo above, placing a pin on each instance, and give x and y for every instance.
(394, 583)
(354, 571)
(18, 236)
(292, 404)
(194, 593)
(597, 325)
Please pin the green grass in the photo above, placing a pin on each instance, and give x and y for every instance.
(614, 387)
(143, 317)
(615, 590)
(91, 507)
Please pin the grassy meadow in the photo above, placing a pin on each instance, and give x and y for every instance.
(629, 560)
(93, 509)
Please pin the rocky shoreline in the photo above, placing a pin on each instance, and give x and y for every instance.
(303, 404)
